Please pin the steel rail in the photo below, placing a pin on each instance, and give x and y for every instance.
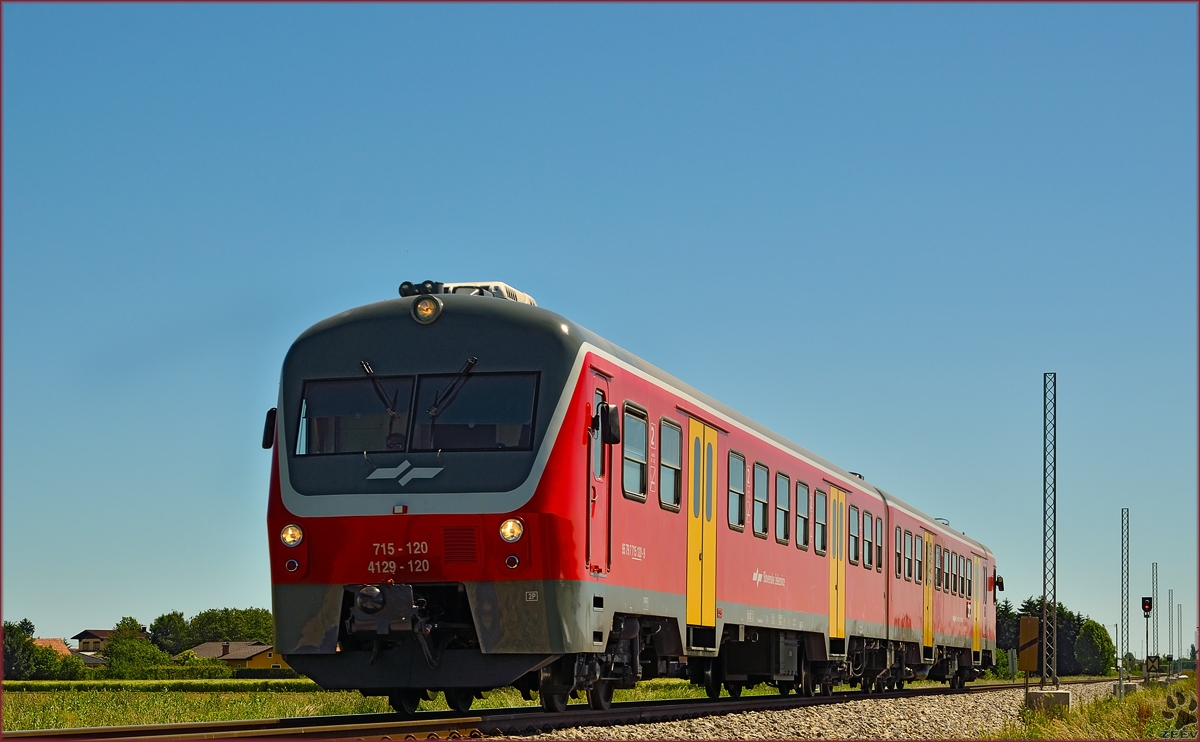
(488, 722)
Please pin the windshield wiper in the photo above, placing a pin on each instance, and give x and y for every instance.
(390, 406)
(446, 397)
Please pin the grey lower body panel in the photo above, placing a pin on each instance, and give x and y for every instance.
(404, 666)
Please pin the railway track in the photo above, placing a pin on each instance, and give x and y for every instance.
(489, 722)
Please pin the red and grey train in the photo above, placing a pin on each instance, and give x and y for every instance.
(469, 492)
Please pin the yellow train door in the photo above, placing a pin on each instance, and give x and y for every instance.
(837, 570)
(701, 504)
(927, 613)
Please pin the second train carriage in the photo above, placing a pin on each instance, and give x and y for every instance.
(469, 491)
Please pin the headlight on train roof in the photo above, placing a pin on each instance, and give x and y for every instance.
(426, 309)
(511, 530)
(291, 535)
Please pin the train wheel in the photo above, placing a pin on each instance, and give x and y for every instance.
(827, 688)
(804, 680)
(784, 687)
(554, 703)
(600, 695)
(734, 689)
(460, 699)
(406, 701)
(712, 683)
(899, 685)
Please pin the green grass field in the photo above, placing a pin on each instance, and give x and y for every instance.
(146, 702)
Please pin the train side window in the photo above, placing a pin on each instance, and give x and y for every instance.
(783, 512)
(801, 515)
(962, 575)
(761, 479)
(820, 519)
(670, 475)
(867, 526)
(853, 534)
(878, 544)
(937, 566)
(908, 555)
(737, 492)
(953, 573)
(918, 556)
(899, 553)
(633, 476)
(970, 575)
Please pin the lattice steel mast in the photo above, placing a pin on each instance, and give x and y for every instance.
(1049, 533)
(1154, 611)
(1123, 639)
(1171, 621)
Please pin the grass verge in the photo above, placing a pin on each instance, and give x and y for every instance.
(1140, 715)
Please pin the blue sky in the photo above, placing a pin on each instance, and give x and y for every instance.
(870, 227)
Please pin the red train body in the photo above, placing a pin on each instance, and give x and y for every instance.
(660, 533)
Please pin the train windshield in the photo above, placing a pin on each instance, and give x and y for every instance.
(355, 415)
(474, 412)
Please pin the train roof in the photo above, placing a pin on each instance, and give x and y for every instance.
(656, 372)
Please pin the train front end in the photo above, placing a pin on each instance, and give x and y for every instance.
(414, 540)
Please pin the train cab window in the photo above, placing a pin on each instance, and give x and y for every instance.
(853, 535)
(670, 479)
(737, 492)
(918, 551)
(633, 476)
(352, 416)
(820, 519)
(474, 412)
(937, 566)
(878, 544)
(783, 513)
(598, 457)
(867, 526)
(899, 552)
(908, 562)
(801, 515)
(953, 573)
(761, 478)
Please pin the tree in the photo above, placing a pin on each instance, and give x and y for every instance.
(169, 632)
(24, 660)
(231, 625)
(129, 653)
(1008, 625)
(1192, 655)
(18, 649)
(1094, 649)
(1069, 625)
(71, 668)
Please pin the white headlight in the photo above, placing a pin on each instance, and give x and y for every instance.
(511, 530)
(291, 535)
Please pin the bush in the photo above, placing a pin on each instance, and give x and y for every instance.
(298, 685)
(1094, 649)
(185, 672)
(132, 658)
(265, 672)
